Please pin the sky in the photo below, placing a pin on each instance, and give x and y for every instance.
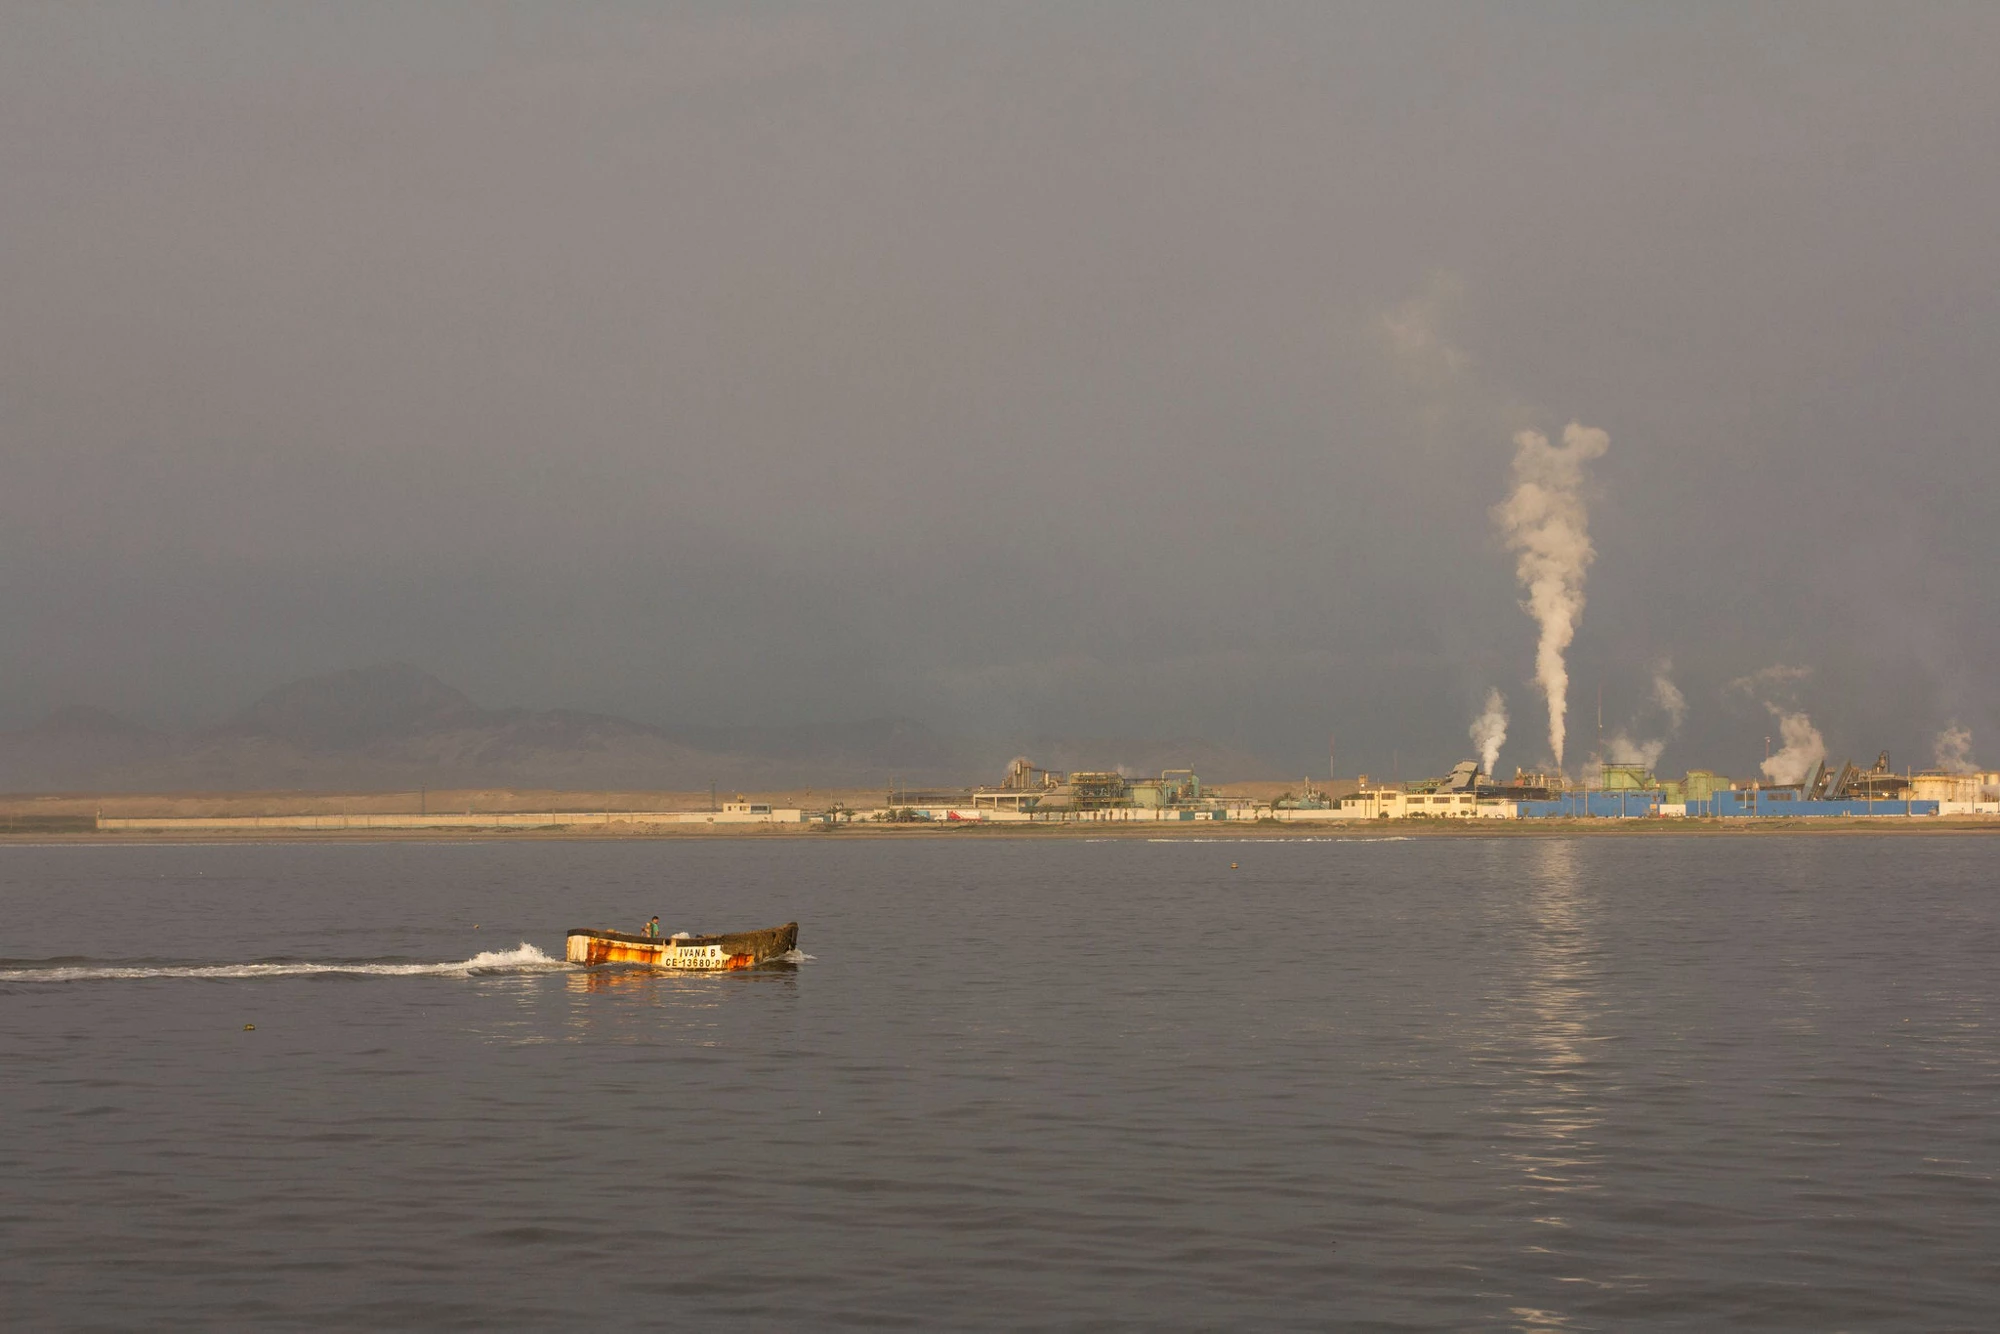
(1108, 369)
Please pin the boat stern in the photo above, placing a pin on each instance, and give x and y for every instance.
(593, 947)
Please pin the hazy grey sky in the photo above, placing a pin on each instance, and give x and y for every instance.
(1121, 368)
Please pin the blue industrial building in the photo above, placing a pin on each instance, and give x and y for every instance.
(1732, 803)
(1594, 805)
(1744, 802)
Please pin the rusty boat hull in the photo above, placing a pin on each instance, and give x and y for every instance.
(704, 954)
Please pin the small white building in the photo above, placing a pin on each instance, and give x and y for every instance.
(1007, 799)
(741, 811)
(1395, 804)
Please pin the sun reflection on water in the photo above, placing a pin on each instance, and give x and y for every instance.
(1553, 1112)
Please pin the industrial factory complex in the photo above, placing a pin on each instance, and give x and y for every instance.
(1618, 792)
(1030, 797)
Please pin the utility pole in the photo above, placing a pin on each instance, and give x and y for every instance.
(1600, 743)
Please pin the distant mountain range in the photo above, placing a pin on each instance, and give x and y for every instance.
(394, 726)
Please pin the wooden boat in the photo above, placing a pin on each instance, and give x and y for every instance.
(738, 949)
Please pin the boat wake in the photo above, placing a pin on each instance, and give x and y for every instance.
(523, 959)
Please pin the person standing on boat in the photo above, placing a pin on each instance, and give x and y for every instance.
(651, 929)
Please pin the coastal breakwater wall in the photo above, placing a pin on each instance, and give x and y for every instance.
(481, 820)
(451, 820)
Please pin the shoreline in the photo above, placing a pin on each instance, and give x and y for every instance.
(500, 814)
(32, 832)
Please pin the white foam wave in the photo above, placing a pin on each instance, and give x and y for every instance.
(795, 955)
(523, 959)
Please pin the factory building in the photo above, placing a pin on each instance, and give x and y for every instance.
(1386, 803)
(1622, 804)
(1698, 786)
(1973, 789)
(1631, 791)
(1044, 794)
(1855, 784)
(1031, 794)
(1786, 802)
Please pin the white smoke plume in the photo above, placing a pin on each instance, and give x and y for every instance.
(1622, 749)
(1489, 731)
(1778, 679)
(1546, 522)
(1417, 332)
(1804, 748)
(1668, 696)
(1953, 751)
(1628, 746)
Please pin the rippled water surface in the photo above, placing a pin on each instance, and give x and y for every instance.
(1535, 1083)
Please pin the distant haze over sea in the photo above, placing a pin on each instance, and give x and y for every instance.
(840, 389)
(394, 726)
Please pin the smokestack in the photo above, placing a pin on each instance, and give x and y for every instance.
(1489, 731)
(1547, 524)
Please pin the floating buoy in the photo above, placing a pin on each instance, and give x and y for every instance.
(249, 1028)
(1232, 866)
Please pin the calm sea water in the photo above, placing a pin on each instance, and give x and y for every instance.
(1595, 1084)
